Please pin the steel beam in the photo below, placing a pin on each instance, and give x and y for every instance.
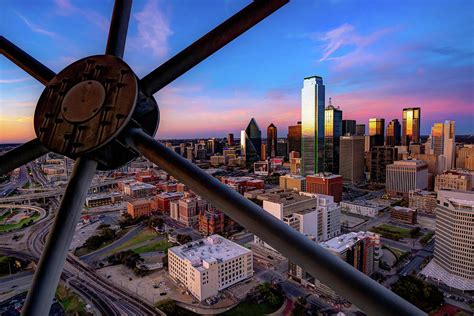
(209, 44)
(21, 155)
(357, 287)
(41, 294)
(118, 28)
(36, 69)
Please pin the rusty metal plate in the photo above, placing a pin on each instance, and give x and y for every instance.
(86, 105)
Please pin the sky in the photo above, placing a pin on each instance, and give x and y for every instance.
(376, 57)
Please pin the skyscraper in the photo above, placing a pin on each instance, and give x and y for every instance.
(393, 133)
(352, 166)
(332, 133)
(230, 139)
(251, 142)
(442, 142)
(411, 126)
(360, 130)
(312, 133)
(294, 138)
(349, 127)
(271, 141)
(437, 131)
(377, 131)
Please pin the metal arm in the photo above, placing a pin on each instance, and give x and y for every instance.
(21, 155)
(51, 263)
(358, 288)
(36, 69)
(118, 28)
(209, 44)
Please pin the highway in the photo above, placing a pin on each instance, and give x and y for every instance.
(15, 182)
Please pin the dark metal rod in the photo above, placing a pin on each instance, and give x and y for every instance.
(347, 281)
(46, 278)
(209, 44)
(36, 69)
(21, 155)
(118, 28)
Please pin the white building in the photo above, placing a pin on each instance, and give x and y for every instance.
(405, 175)
(209, 265)
(314, 215)
(363, 208)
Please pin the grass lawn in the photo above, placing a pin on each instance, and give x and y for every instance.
(424, 240)
(161, 245)
(144, 235)
(249, 308)
(6, 214)
(7, 227)
(71, 303)
(391, 232)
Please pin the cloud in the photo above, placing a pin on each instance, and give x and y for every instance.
(65, 7)
(153, 29)
(35, 28)
(16, 80)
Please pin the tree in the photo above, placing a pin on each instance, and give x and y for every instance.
(300, 306)
(155, 222)
(415, 232)
(425, 296)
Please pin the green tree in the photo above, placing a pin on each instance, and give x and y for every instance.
(425, 296)
(182, 239)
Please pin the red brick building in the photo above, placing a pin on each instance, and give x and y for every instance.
(325, 183)
(139, 208)
(163, 200)
(211, 221)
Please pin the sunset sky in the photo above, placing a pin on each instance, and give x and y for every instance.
(376, 57)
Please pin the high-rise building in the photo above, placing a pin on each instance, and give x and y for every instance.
(294, 138)
(312, 132)
(437, 132)
(411, 126)
(405, 175)
(263, 152)
(230, 139)
(272, 138)
(380, 157)
(349, 127)
(325, 183)
(251, 142)
(360, 130)
(332, 133)
(442, 143)
(352, 166)
(393, 133)
(282, 148)
(377, 131)
(453, 253)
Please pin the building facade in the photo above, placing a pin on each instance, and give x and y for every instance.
(332, 134)
(312, 128)
(352, 166)
(454, 180)
(403, 215)
(272, 139)
(325, 183)
(293, 182)
(360, 130)
(380, 157)
(294, 138)
(422, 201)
(139, 208)
(411, 126)
(405, 175)
(251, 142)
(349, 127)
(394, 130)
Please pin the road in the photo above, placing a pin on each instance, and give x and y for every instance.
(16, 181)
(415, 263)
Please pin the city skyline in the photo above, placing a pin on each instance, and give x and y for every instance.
(207, 106)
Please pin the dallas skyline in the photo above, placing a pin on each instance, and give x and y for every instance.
(375, 58)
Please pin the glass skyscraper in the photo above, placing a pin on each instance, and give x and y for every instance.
(272, 139)
(251, 142)
(411, 126)
(332, 134)
(377, 131)
(312, 128)
(393, 133)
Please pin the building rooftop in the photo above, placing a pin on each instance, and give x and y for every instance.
(459, 198)
(103, 195)
(170, 194)
(403, 209)
(294, 176)
(140, 185)
(284, 198)
(139, 202)
(341, 243)
(409, 163)
(212, 249)
(324, 175)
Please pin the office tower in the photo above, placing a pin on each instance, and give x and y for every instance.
(360, 130)
(411, 126)
(453, 253)
(449, 145)
(352, 166)
(230, 139)
(393, 133)
(282, 148)
(348, 127)
(463, 153)
(272, 138)
(325, 183)
(416, 149)
(377, 131)
(380, 157)
(436, 136)
(312, 132)
(293, 182)
(405, 175)
(294, 138)
(435, 166)
(332, 133)
(251, 142)
(454, 180)
(186, 210)
(295, 165)
(213, 146)
(263, 151)
(209, 265)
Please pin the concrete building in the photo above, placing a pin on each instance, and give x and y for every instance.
(352, 166)
(406, 175)
(454, 180)
(380, 158)
(467, 151)
(325, 183)
(103, 199)
(403, 215)
(422, 201)
(209, 265)
(293, 182)
(453, 262)
(316, 216)
(361, 207)
(139, 208)
(186, 210)
(137, 189)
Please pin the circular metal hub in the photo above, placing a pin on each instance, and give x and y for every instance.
(86, 105)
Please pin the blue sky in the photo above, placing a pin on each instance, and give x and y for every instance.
(376, 57)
